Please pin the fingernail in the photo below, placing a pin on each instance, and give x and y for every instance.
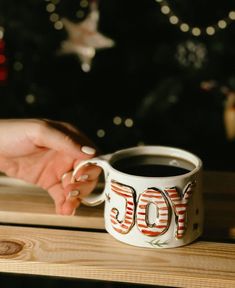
(73, 194)
(88, 150)
(82, 178)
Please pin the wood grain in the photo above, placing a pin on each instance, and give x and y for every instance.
(98, 256)
(219, 197)
(23, 203)
(26, 204)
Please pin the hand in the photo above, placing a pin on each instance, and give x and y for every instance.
(41, 152)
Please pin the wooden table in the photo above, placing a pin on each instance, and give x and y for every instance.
(33, 240)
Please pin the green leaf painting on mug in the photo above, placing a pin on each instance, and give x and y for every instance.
(157, 243)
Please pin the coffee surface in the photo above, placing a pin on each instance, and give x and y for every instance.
(153, 166)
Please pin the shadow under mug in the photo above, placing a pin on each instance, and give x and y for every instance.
(151, 211)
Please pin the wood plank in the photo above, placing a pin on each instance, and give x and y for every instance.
(219, 197)
(99, 256)
(22, 203)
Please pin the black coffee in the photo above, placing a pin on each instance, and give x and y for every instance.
(153, 166)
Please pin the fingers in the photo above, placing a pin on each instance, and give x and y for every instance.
(67, 196)
(65, 138)
(70, 205)
(87, 172)
(64, 205)
(83, 188)
(57, 194)
(74, 194)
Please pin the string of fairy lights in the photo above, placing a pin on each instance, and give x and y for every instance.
(185, 27)
(165, 9)
(54, 17)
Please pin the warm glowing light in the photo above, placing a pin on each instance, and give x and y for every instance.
(117, 120)
(129, 122)
(86, 67)
(196, 31)
(174, 19)
(50, 7)
(222, 24)
(210, 30)
(58, 25)
(184, 27)
(30, 98)
(231, 15)
(165, 9)
(100, 133)
(54, 17)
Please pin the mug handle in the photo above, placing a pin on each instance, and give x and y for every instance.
(102, 162)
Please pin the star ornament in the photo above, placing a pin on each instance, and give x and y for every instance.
(84, 38)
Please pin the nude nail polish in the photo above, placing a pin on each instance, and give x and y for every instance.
(88, 150)
(73, 194)
(82, 178)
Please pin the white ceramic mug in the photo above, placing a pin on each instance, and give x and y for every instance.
(157, 212)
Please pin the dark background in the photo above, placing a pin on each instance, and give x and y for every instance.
(154, 75)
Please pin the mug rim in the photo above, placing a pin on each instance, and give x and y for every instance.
(197, 162)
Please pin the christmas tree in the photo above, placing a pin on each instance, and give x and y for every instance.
(125, 72)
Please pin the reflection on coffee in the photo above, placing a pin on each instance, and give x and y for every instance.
(153, 165)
